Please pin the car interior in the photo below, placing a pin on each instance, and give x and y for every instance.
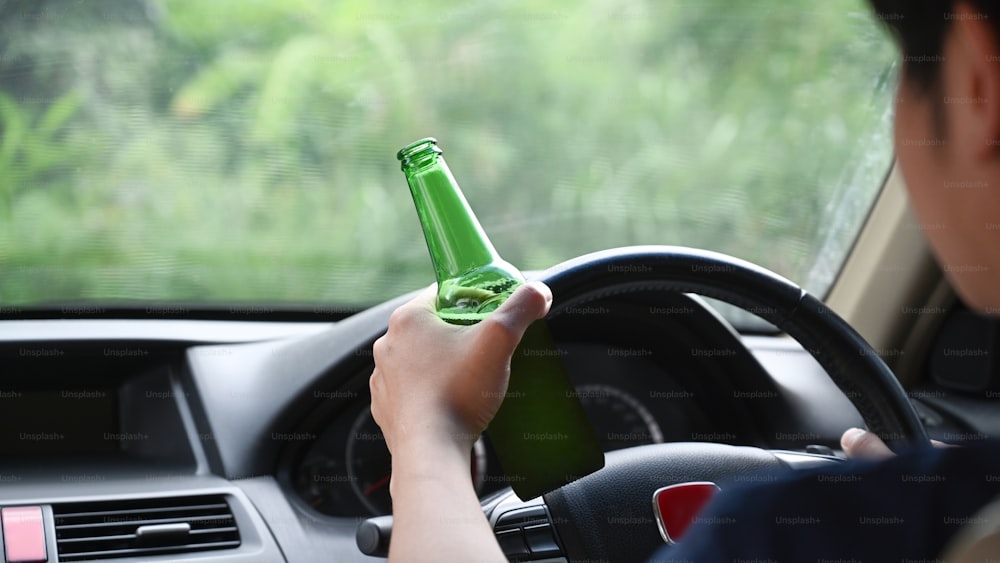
(167, 429)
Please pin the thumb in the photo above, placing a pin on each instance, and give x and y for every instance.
(530, 301)
(507, 324)
(861, 444)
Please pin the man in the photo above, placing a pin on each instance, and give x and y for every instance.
(431, 411)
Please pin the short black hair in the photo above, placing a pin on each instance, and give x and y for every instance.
(920, 27)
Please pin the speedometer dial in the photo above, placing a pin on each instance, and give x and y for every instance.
(369, 464)
(621, 421)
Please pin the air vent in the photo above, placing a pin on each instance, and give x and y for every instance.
(134, 528)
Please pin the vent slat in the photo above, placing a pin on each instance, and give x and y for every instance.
(216, 506)
(137, 523)
(83, 556)
(96, 538)
(133, 536)
(106, 529)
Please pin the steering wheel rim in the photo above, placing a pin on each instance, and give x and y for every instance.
(848, 359)
(580, 512)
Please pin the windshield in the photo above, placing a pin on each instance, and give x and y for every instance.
(243, 151)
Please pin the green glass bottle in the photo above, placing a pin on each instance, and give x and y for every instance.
(472, 278)
(541, 433)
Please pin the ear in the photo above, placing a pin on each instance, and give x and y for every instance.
(972, 82)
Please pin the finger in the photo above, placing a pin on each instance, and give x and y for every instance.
(373, 387)
(380, 349)
(861, 444)
(503, 328)
(414, 310)
(528, 302)
(425, 299)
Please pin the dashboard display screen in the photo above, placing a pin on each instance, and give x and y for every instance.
(59, 421)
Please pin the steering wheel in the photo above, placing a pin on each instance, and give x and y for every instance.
(583, 513)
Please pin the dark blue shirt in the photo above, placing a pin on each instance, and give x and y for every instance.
(905, 508)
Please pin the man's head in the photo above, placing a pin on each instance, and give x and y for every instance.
(947, 132)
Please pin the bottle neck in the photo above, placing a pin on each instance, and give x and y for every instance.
(455, 239)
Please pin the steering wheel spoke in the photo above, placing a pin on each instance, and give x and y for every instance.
(525, 529)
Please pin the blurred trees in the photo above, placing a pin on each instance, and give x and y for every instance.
(244, 149)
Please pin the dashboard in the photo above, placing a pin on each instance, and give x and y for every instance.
(629, 402)
(187, 440)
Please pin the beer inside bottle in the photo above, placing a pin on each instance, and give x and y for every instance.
(541, 433)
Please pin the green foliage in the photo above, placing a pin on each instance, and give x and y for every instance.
(244, 149)
(31, 149)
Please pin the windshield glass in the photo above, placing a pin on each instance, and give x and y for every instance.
(243, 151)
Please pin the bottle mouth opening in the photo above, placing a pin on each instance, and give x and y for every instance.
(419, 152)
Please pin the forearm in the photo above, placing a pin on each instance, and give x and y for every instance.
(436, 514)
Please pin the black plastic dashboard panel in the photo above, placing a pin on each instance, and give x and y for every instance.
(665, 357)
(74, 402)
(228, 405)
(249, 398)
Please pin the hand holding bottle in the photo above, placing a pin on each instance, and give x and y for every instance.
(434, 389)
(443, 381)
(541, 434)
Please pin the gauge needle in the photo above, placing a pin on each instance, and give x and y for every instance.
(378, 484)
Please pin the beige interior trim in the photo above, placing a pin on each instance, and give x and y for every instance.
(978, 540)
(885, 285)
(917, 345)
